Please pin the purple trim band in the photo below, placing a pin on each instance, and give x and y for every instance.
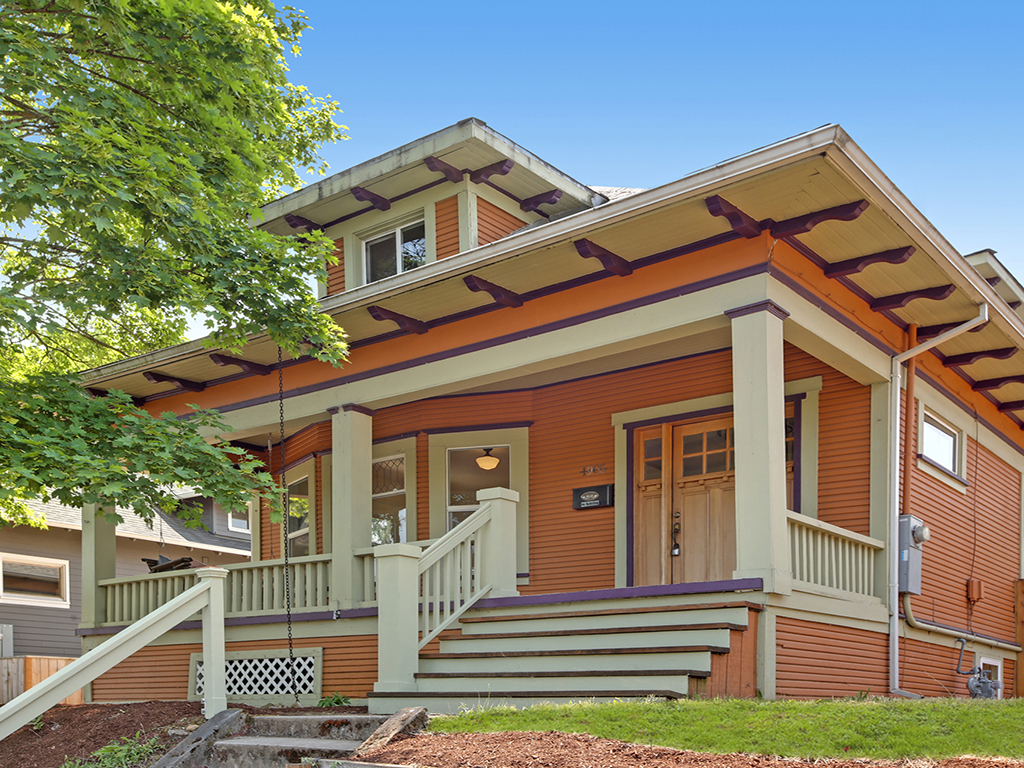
(392, 438)
(756, 269)
(334, 410)
(523, 575)
(478, 427)
(694, 588)
(356, 408)
(760, 306)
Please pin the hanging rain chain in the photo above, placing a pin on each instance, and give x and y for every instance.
(287, 511)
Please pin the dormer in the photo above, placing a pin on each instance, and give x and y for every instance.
(452, 191)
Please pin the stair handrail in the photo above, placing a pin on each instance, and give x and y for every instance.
(456, 536)
(207, 596)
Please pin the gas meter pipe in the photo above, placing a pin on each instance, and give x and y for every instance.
(895, 409)
(928, 627)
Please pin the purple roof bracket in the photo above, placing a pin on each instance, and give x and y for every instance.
(366, 196)
(187, 384)
(246, 365)
(1013, 405)
(987, 384)
(802, 224)
(610, 261)
(480, 175)
(926, 332)
(972, 357)
(300, 223)
(899, 300)
(501, 295)
(533, 204)
(741, 223)
(437, 165)
(406, 323)
(859, 264)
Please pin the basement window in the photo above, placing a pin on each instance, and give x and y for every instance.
(37, 581)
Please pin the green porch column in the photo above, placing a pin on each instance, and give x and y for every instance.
(351, 499)
(99, 561)
(759, 413)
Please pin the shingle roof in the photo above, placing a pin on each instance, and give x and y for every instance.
(170, 528)
(616, 193)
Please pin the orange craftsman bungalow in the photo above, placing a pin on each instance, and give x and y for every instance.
(603, 442)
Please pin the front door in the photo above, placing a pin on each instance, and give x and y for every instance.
(685, 502)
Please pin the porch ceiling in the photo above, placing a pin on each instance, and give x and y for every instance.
(539, 259)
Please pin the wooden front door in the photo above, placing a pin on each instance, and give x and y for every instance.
(685, 502)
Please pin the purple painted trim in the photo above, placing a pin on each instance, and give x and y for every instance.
(416, 191)
(630, 485)
(248, 621)
(798, 421)
(986, 384)
(502, 296)
(761, 306)
(802, 224)
(379, 202)
(684, 416)
(900, 300)
(755, 269)
(392, 438)
(188, 385)
(860, 263)
(437, 165)
(300, 223)
(831, 311)
(224, 380)
(500, 168)
(695, 588)
(533, 204)
(356, 408)
(846, 282)
(610, 261)
(258, 369)
(334, 409)
(404, 322)
(1011, 405)
(742, 224)
(967, 358)
(969, 411)
(942, 469)
(477, 428)
(523, 575)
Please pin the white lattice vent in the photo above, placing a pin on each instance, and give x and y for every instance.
(265, 676)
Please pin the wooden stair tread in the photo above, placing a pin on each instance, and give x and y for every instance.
(600, 631)
(578, 652)
(611, 612)
(596, 673)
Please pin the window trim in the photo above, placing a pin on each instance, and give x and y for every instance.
(41, 601)
(394, 231)
(932, 466)
(247, 531)
(304, 471)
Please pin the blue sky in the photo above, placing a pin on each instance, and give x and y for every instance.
(640, 94)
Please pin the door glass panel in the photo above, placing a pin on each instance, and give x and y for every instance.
(693, 443)
(652, 459)
(693, 465)
(717, 462)
(718, 440)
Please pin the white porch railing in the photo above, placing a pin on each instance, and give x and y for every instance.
(206, 596)
(826, 556)
(253, 589)
(422, 592)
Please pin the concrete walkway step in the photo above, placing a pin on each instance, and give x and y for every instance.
(274, 751)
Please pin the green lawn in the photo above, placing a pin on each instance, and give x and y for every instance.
(842, 728)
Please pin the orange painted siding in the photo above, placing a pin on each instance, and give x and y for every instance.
(493, 223)
(349, 667)
(824, 660)
(446, 226)
(422, 486)
(336, 272)
(964, 528)
(930, 669)
(844, 442)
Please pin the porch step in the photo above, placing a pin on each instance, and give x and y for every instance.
(335, 727)
(530, 682)
(554, 620)
(274, 751)
(606, 639)
(621, 660)
(457, 701)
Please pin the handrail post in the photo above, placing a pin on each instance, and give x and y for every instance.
(398, 610)
(498, 560)
(215, 697)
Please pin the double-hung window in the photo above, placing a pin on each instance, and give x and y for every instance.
(300, 511)
(398, 251)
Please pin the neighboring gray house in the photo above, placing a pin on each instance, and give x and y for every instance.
(40, 570)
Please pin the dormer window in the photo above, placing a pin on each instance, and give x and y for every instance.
(398, 251)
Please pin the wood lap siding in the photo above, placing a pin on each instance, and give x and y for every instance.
(446, 226)
(493, 223)
(336, 272)
(816, 660)
(844, 442)
(422, 486)
(965, 529)
(350, 668)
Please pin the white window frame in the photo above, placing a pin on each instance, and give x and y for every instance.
(403, 523)
(64, 601)
(998, 664)
(305, 471)
(955, 478)
(396, 233)
(931, 421)
(247, 530)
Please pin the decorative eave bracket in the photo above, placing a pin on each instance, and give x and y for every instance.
(500, 295)
(987, 384)
(860, 263)
(500, 168)
(900, 300)
(366, 196)
(533, 204)
(248, 366)
(800, 225)
(610, 261)
(406, 323)
(967, 358)
(162, 378)
(300, 223)
(437, 165)
(741, 223)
